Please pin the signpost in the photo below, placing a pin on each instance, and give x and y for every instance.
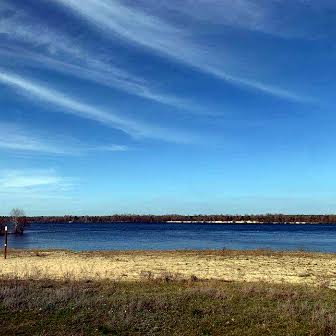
(6, 233)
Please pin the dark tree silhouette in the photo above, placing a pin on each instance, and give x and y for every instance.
(18, 221)
(131, 218)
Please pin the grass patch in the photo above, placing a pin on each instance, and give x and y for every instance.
(161, 307)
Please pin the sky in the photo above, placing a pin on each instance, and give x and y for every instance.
(187, 107)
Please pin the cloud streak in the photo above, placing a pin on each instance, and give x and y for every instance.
(36, 190)
(66, 54)
(15, 138)
(294, 19)
(76, 107)
(12, 181)
(18, 180)
(138, 27)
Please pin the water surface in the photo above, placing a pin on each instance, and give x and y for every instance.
(162, 236)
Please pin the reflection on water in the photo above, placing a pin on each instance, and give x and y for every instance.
(127, 236)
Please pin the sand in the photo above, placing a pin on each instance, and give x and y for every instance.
(275, 267)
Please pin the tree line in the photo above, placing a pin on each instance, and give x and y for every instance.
(132, 218)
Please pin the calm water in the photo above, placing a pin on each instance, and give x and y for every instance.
(177, 236)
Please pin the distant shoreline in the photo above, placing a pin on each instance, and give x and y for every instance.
(185, 222)
(185, 219)
(235, 222)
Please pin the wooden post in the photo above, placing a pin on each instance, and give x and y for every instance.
(6, 235)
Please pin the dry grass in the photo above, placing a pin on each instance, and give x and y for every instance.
(164, 307)
(250, 266)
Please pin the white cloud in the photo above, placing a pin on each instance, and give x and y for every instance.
(285, 19)
(246, 14)
(139, 27)
(15, 181)
(59, 51)
(34, 189)
(17, 138)
(76, 107)
(12, 181)
(111, 148)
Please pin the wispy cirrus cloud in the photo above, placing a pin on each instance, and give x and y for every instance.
(36, 190)
(248, 14)
(16, 138)
(141, 28)
(70, 105)
(33, 180)
(111, 148)
(59, 51)
(295, 19)
(18, 180)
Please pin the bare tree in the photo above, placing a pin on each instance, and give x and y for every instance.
(18, 221)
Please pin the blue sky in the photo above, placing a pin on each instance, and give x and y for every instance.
(188, 107)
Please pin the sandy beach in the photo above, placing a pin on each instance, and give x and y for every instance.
(251, 266)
